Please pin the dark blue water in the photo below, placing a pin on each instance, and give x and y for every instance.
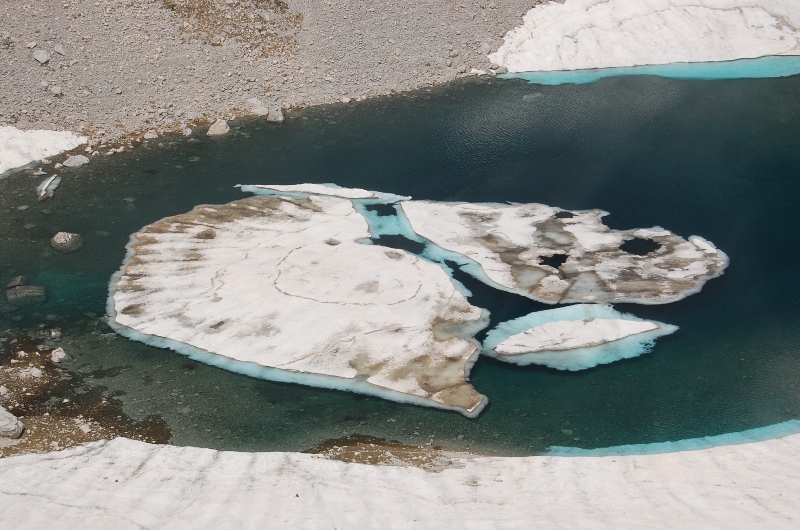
(720, 159)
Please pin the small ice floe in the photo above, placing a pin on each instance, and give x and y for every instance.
(574, 337)
(46, 188)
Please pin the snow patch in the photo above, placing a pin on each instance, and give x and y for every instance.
(19, 148)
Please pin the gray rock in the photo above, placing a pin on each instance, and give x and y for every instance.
(219, 128)
(56, 90)
(10, 426)
(42, 56)
(26, 294)
(150, 135)
(257, 107)
(59, 49)
(16, 282)
(76, 161)
(58, 355)
(276, 115)
(67, 242)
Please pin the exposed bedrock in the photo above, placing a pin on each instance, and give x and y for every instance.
(281, 288)
(555, 256)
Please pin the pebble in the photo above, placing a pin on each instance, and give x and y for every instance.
(56, 90)
(42, 56)
(59, 49)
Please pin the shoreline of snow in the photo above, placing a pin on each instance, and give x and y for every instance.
(123, 483)
(596, 34)
(19, 149)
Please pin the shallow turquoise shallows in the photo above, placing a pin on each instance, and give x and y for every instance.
(759, 68)
(719, 159)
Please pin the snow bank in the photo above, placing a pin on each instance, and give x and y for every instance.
(20, 148)
(589, 34)
(127, 484)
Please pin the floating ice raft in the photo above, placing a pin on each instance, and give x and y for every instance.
(287, 286)
(280, 288)
(575, 337)
(558, 256)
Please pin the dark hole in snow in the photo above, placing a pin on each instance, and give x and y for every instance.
(639, 246)
(400, 243)
(564, 215)
(555, 261)
(383, 210)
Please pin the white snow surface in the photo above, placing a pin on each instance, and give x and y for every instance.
(571, 334)
(513, 242)
(19, 148)
(574, 337)
(125, 484)
(281, 288)
(588, 34)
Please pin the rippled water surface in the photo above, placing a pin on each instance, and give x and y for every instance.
(720, 159)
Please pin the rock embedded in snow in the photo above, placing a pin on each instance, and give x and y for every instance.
(67, 242)
(10, 426)
(281, 288)
(76, 161)
(589, 34)
(219, 128)
(19, 148)
(556, 256)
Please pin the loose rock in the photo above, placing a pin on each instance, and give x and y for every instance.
(67, 242)
(76, 161)
(10, 426)
(276, 115)
(219, 128)
(18, 292)
(42, 56)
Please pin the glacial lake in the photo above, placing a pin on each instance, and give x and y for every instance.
(719, 159)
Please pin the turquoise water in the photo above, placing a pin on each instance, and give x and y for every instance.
(761, 67)
(720, 159)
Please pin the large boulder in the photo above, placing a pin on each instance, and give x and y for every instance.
(219, 128)
(18, 292)
(10, 426)
(67, 242)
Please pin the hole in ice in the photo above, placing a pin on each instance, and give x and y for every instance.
(383, 210)
(555, 261)
(639, 246)
(400, 243)
(564, 215)
(333, 242)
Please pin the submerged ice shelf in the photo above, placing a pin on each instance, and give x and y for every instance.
(294, 285)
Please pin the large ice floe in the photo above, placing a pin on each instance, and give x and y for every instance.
(557, 256)
(596, 34)
(281, 288)
(293, 285)
(19, 148)
(735, 481)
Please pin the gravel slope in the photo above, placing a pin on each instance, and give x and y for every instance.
(116, 67)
